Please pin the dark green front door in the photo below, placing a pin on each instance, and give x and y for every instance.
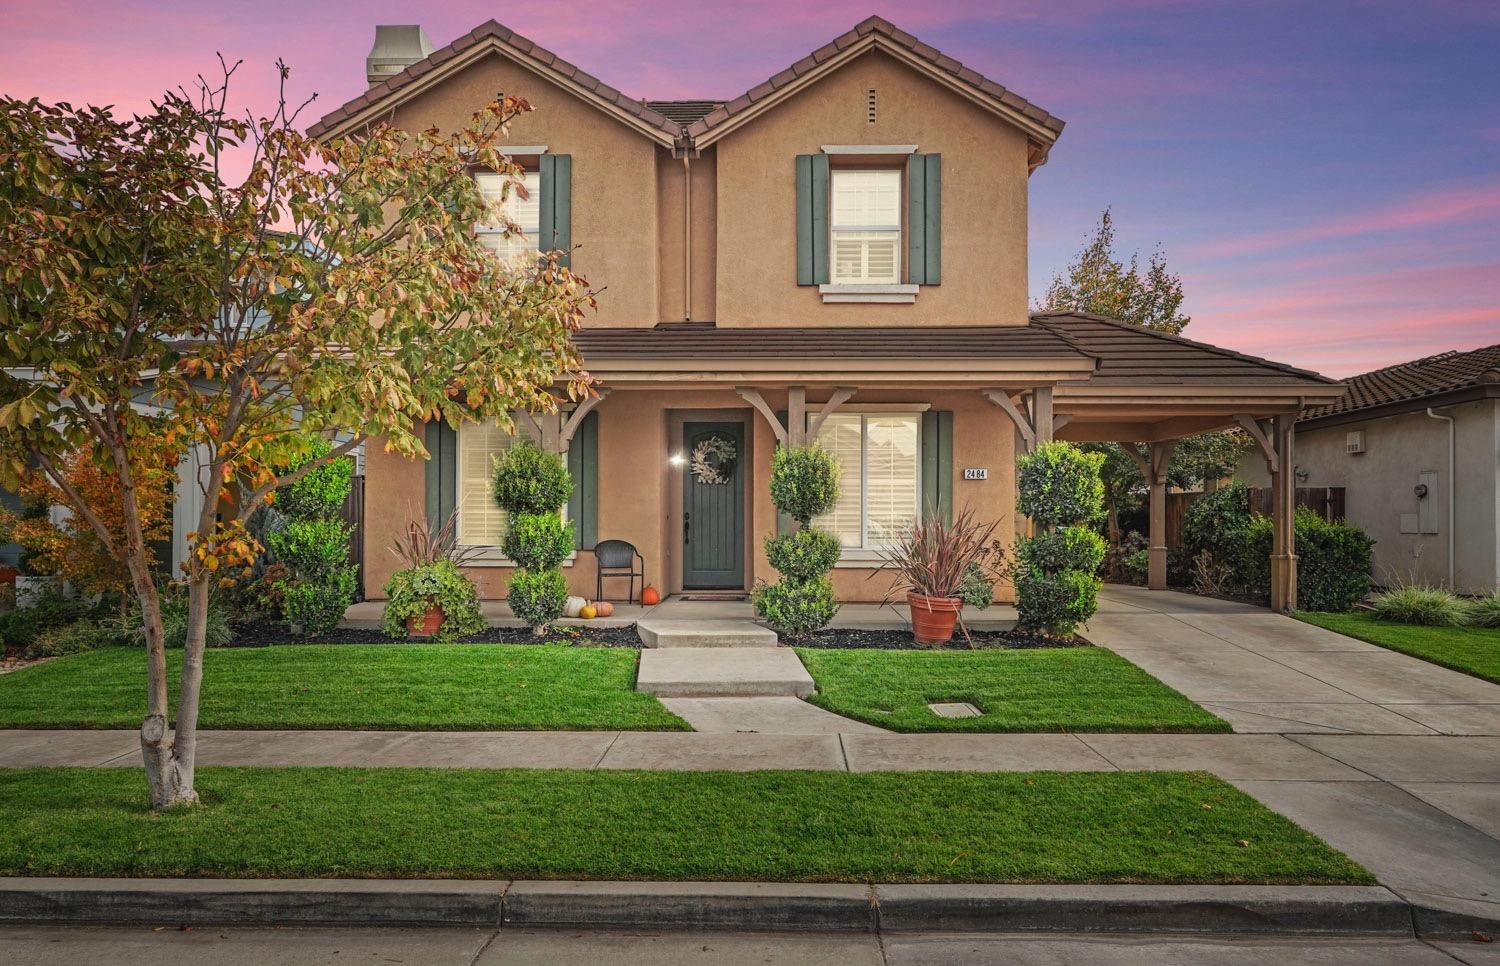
(713, 506)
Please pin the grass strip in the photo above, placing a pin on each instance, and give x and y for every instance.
(1148, 827)
(467, 687)
(1472, 650)
(1050, 689)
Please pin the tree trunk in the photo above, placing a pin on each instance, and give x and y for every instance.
(168, 783)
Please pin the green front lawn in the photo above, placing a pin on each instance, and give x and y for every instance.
(393, 686)
(781, 826)
(1473, 650)
(1050, 689)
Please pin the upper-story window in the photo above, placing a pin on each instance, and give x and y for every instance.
(865, 226)
(525, 212)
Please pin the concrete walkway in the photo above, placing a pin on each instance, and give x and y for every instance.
(1268, 673)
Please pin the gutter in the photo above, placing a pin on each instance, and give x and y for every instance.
(1452, 516)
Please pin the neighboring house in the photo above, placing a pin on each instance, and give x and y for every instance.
(1416, 447)
(838, 254)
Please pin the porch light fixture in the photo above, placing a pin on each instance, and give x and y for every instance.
(677, 459)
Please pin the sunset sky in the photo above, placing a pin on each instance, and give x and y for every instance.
(1324, 175)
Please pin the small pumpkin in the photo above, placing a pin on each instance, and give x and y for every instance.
(650, 597)
(589, 612)
(605, 608)
(574, 606)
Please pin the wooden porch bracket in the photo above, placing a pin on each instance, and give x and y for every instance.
(754, 398)
(1257, 432)
(1058, 422)
(840, 396)
(575, 418)
(1002, 399)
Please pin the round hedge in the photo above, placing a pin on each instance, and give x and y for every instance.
(796, 606)
(1059, 483)
(322, 492)
(1056, 602)
(528, 479)
(538, 597)
(804, 554)
(537, 540)
(804, 481)
(1066, 548)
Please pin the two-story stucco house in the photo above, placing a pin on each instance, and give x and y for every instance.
(839, 254)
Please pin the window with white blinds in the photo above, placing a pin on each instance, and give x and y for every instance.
(865, 226)
(526, 213)
(879, 495)
(481, 522)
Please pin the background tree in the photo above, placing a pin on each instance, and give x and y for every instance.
(1099, 281)
(338, 289)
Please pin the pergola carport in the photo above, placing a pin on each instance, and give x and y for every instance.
(1148, 390)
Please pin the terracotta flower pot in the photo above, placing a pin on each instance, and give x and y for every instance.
(933, 618)
(427, 625)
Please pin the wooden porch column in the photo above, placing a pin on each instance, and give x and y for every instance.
(1153, 467)
(1283, 516)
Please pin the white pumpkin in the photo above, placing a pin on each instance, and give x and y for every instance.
(574, 606)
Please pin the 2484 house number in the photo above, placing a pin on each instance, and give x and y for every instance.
(976, 473)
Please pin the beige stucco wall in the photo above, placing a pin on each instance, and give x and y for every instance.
(637, 486)
(672, 199)
(614, 177)
(983, 201)
(1378, 489)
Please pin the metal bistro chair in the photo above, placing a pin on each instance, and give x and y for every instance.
(617, 558)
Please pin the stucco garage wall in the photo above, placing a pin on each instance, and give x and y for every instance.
(1378, 489)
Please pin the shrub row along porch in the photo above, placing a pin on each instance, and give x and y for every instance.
(674, 455)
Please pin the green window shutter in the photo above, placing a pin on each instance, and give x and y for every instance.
(812, 219)
(442, 471)
(937, 464)
(924, 219)
(583, 465)
(556, 219)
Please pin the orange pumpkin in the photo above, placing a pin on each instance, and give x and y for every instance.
(650, 597)
(605, 608)
(588, 613)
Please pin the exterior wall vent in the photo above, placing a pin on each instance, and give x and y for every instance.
(397, 47)
(1354, 443)
(870, 106)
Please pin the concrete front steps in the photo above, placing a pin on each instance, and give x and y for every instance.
(680, 632)
(709, 672)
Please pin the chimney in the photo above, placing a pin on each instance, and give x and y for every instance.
(397, 47)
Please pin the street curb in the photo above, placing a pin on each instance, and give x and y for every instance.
(1245, 910)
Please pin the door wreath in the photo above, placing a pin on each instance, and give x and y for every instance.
(713, 460)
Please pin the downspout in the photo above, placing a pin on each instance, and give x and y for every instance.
(687, 238)
(1452, 516)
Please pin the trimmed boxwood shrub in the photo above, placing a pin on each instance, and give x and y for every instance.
(313, 543)
(532, 486)
(804, 483)
(322, 492)
(1057, 579)
(410, 592)
(1218, 524)
(1333, 561)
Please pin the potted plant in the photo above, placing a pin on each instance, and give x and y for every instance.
(430, 597)
(939, 564)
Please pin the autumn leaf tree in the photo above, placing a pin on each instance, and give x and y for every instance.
(1100, 281)
(336, 289)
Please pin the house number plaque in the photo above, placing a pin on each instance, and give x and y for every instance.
(976, 473)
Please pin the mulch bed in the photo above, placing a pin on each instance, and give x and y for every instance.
(891, 640)
(267, 633)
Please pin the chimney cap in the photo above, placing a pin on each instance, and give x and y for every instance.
(396, 47)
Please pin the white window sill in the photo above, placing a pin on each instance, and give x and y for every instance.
(495, 557)
(858, 558)
(897, 294)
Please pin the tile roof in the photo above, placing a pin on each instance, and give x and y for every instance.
(699, 340)
(683, 112)
(1416, 382)
(1131, 355)
(492, 30)
(884, 28)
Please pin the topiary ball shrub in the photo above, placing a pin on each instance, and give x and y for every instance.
(796, 607)
(322, 492)
(804, 482)
(412, 591)
(538, 597)
(1425, 606)
(317, 606)
(1058, 483)
(1066, 548)
(528, 479)
(537, 541)
(804, 554)
(1056, 603)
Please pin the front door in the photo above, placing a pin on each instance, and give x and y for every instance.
(713, 506)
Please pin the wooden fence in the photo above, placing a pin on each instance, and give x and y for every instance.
(1326, 501)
